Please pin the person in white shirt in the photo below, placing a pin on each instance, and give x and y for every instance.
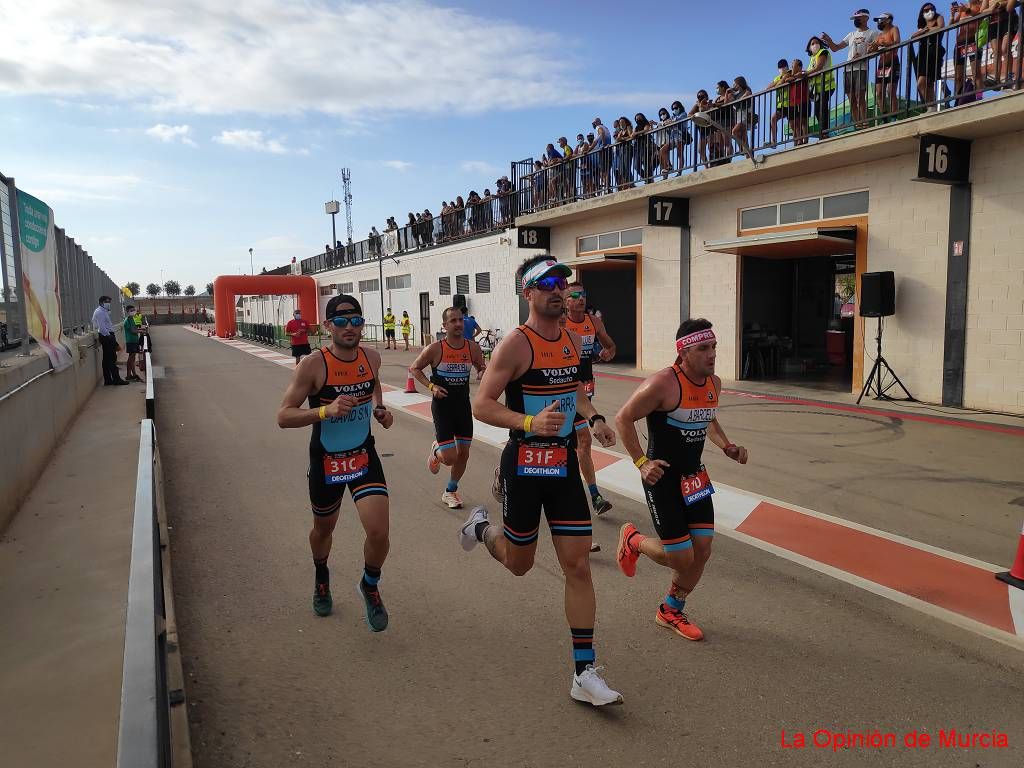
(855, 74)
(108, 342)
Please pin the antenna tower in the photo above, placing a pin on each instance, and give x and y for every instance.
(346, 181)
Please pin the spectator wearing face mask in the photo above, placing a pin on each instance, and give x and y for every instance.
(822, 83)
(887, 66)
(930, 52)
(297, 331)
(855, 74)
(644, 148)
(624, 154)
(674, 138)
(720, 141)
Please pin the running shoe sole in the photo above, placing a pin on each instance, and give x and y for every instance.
(578, 694)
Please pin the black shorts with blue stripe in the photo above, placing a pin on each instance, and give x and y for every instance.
(562, 498)
(325, 493)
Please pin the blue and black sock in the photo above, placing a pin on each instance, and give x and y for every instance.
(582, 648)
(676, 598)
(594, 492)
(453, 486)
(323, 573)
(371, 576)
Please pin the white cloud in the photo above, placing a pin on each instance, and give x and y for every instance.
(478, 167)
(271, 57)
(256, 142)
(397, 165)
(81, 187)
(171, 133)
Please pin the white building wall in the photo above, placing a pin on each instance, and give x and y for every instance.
(495, 254)
(994, 369)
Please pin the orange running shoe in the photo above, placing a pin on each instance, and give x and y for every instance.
(625, 555)
(677, 620)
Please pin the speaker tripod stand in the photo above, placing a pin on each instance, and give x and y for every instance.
(874, 381)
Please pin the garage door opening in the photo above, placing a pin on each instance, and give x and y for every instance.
(610, 284)
(796, 312)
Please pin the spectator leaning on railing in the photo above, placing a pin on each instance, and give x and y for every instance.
(822, 83)
(931, 54)
(703, 104)
(782, 108)
(887, 65)
(744, 117)
(966, 47)
(1003, 28)
(855, 74)
(799, 102)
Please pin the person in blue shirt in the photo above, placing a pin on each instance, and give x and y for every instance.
(470, 327)
(108, 342)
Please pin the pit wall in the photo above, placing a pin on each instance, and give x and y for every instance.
(35, 418)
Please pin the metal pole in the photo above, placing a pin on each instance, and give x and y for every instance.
(380, 286)
(252, 270)
(334, 232)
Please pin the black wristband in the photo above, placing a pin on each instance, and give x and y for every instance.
(595, 417)
(379, 408)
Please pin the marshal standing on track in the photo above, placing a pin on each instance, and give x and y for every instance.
(451, 359)
(589, 329)
(537, 366)
(343, 388)
(680, 405)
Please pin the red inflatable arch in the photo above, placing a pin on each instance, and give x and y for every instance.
(227, 287)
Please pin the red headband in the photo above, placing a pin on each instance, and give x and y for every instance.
(691, 340)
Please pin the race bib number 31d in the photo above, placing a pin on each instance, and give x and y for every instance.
(696, 487)
(543, 461)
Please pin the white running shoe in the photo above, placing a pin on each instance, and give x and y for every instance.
(591, 688)
(433, 462)
(467, 534)
(451, 498)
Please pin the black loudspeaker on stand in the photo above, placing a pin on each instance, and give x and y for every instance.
(878, 299)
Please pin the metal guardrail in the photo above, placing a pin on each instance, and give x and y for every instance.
(150, 386)
(143, 738)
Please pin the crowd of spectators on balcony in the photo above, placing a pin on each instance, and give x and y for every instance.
(809, 98)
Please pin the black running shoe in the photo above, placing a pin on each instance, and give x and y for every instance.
(322, 602)
(376, 613)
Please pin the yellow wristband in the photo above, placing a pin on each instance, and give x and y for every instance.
(527, 423)
(640, 462)
(430, 386)
(323, 412)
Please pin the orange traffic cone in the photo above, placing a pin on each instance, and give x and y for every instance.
(1015, 576)
(410, 384)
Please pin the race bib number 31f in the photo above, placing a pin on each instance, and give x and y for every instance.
(344, 468)
(696, 487)
(542, 461)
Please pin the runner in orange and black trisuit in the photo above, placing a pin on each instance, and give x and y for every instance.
(589, 329)
(451, 360)
(680, 405)
(342, 385)
(537, 368)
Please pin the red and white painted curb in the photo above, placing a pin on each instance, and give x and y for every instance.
(944, 584)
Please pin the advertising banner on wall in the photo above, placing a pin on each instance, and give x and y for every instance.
(39, 278)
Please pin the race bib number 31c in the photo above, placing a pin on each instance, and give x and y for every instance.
(542, 461)
(344, 468)
(696, 487)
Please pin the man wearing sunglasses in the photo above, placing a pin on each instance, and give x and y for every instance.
(589, 329)
(342, 386)
(451, 358)
(537, 368)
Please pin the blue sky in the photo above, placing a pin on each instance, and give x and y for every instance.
(174, 137)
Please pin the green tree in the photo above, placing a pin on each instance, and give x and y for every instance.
(153, 289)
(172, 288)
(190, 290)
(134, 288)
(209, 289)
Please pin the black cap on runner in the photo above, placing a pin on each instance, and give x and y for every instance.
(333, 304)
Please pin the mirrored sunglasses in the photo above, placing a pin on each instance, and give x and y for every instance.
(343, 321)
(550, 284)
(577, 294)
